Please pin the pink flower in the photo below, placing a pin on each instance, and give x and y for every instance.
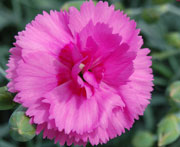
(82, 76)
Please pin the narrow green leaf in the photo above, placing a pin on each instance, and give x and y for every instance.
(165, 54)
(161, 1)
(149, 118)
(6, 17)
(162, 69)
(160, 81)
(133, 12)
(45, 4)
(173, 9)
(4, 130)
(158, 99)
(2, 72)
(173, 62)
(6, 144)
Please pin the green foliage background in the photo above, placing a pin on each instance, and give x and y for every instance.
(159, 21)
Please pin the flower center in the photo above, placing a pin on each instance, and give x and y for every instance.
(81, 66)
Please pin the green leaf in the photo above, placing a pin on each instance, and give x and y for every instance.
(119, 5)
(160, 81)
(133, 12)
(4, 55)
(2, 72)
(76, 4)
(155, 34)
(168, 130)
(150, 15)
(143, 139)
(173, 62)
(149, 118)
(44, 4)
(173, 9)
(6, 17)
(6, 99)
(4, 130)
(158, 99)
(165, 54)
(162, 69)
(20, 128)
(161, 1)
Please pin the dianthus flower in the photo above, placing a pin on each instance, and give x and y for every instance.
(82, 75)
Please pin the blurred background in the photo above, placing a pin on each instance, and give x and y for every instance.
(159, 21)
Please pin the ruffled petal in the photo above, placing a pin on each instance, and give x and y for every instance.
(48, 33)
(119, 66)
(100, 13)
(126, 28)
(68, 107)
(39, 112)
(13, 62)
(38, 73)
(136, 93)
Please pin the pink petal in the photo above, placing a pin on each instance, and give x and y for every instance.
(37, 76)
(67, 107)
(48, 33)
(13, 64)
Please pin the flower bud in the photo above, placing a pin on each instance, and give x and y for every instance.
(168, 130)
(20, 128)
(6, 99)
(143, 139)
(174, 92)
(173, 39)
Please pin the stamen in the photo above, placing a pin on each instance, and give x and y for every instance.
(81, 66)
